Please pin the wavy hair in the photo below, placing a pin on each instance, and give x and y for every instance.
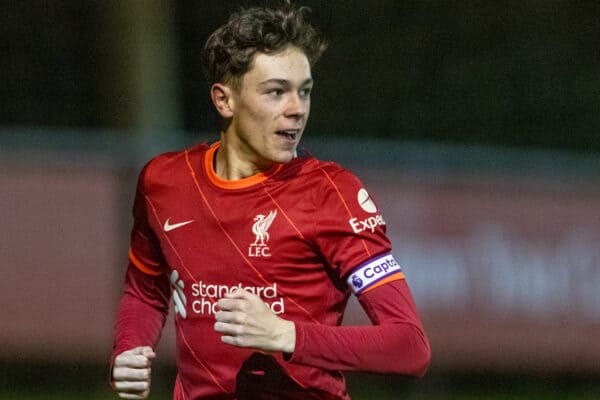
(229, 51)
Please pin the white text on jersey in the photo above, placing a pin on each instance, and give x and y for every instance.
(367, 224)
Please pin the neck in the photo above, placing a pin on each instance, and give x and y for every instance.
(229, 163)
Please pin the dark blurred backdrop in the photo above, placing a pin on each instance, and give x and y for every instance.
(523, 73)
(474, 123)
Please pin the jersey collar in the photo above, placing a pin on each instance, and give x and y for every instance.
(236, 184)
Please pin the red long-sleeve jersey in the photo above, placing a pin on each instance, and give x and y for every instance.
(303, 236)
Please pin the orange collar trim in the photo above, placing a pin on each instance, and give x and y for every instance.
(237, 184)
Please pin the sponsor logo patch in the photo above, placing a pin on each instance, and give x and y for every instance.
(368, 224)
(365, 201)
(204, 296)
(374, 273)
(168, 226)
(179, 299)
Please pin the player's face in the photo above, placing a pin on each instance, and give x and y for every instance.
(271, 108)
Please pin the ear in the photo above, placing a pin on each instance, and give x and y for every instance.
(221, 98)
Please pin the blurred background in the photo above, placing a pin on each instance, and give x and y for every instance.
(474, 125)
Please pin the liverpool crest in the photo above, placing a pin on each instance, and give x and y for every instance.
(260, 229)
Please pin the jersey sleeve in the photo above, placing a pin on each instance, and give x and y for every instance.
(142, 311)
(144, 250)
(352, 238)
(395, 343)
(351, 233)
(144, 303)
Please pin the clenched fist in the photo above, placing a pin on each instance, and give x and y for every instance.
(131, 373)
(246, 321)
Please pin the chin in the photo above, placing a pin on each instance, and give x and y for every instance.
(285, 160)
(284, 156)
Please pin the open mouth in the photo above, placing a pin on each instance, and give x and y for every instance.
(290, 134)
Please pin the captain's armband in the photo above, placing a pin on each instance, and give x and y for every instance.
(374, 273)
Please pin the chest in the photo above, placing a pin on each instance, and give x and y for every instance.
(253, 236)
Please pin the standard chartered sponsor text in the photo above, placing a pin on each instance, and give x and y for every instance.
(205, 296)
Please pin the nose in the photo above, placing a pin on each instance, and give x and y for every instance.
(297, 106)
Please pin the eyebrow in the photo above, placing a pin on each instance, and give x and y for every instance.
(284, 82)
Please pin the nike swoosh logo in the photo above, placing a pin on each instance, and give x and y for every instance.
(169, 227)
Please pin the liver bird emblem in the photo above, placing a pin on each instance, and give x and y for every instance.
(261, 227)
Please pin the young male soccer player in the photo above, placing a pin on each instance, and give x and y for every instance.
(260, 246)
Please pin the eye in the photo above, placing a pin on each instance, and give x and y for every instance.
(275, 92)
(304, 92)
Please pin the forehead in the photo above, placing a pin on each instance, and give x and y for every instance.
(290, 64)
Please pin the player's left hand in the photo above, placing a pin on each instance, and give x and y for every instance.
(247, 321)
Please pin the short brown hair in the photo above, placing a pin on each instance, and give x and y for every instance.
(229, 51)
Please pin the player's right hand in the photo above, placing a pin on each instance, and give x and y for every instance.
(131, 373)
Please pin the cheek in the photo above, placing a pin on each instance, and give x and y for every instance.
(255, 111)
(246, 120)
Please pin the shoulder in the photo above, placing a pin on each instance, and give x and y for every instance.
(334, 177)
(320, 182)
(167, 166)
(318, 172)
